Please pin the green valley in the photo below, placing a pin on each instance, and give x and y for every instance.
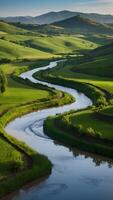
(86, 48)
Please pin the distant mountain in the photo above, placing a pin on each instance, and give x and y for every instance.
(79, 24)
(52, 17)
(21, 19)
(73, 25)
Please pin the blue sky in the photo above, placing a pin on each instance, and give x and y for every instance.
(37, 7)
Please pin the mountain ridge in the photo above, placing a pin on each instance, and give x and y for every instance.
(52, 17)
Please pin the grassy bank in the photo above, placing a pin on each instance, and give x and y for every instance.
(97, 96)
(70, 138)
(20, 164)
(93, 127)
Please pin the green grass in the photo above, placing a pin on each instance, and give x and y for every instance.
(101, 66)
(8, 28)
(63, 44)
(18, 93)
(20, 98)
(98, 72)
(9, 158)
(87, 120)
(12, 160)
(13, 51)
(108, 111)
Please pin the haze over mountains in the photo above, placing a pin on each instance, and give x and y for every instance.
(52, 17)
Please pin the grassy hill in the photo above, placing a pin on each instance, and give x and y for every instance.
(103, 50)
(53, 44)
(83, 25)
(76, 24)
(13, 51)
(8, 28)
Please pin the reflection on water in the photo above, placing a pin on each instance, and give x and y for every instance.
(75, 174)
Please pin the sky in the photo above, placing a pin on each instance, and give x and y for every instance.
(37, 7)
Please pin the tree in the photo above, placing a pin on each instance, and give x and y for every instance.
(3, 82)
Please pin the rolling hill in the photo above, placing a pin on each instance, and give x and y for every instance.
(73, 25)
(11, 51)
(81, 25)
(8, 28)
(103, 50)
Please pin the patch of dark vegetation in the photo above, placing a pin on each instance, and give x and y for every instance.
(52, 129)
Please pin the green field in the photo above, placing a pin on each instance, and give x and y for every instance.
(108, 111)
(87, 120)
(15, 95)
(13, 98)
(42, 46)
(13, 160)
(13, 51)
(88, 67)
(98, 72)
(10, 159)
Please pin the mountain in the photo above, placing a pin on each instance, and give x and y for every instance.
(79, 24)
(73, 25)
(52, 17)
(21, 19)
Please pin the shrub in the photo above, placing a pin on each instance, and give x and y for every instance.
(3, 82)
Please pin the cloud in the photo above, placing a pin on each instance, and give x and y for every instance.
(94, 6)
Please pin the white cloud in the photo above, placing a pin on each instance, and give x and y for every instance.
(97, 6)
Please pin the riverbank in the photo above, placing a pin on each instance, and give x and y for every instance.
(38, 165)
(94, 125)
(73, 136)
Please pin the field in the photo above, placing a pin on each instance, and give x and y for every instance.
(11, 160)
(87, 119)
(95, 71)
(13, 98)
(15, 95)
(88, 68)
(13, 51)
(42, 46)
(98, 72)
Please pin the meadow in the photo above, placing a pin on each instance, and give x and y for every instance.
(96, 72)
(86, 70)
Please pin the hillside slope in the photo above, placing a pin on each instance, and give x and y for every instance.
(83, 25)
(103, 50)
(9, 50)
(8, 28)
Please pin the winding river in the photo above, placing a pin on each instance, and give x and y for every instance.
(75, 174)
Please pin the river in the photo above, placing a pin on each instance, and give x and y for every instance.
(75, 174)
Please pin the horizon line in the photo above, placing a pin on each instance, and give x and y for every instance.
(98, 13)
